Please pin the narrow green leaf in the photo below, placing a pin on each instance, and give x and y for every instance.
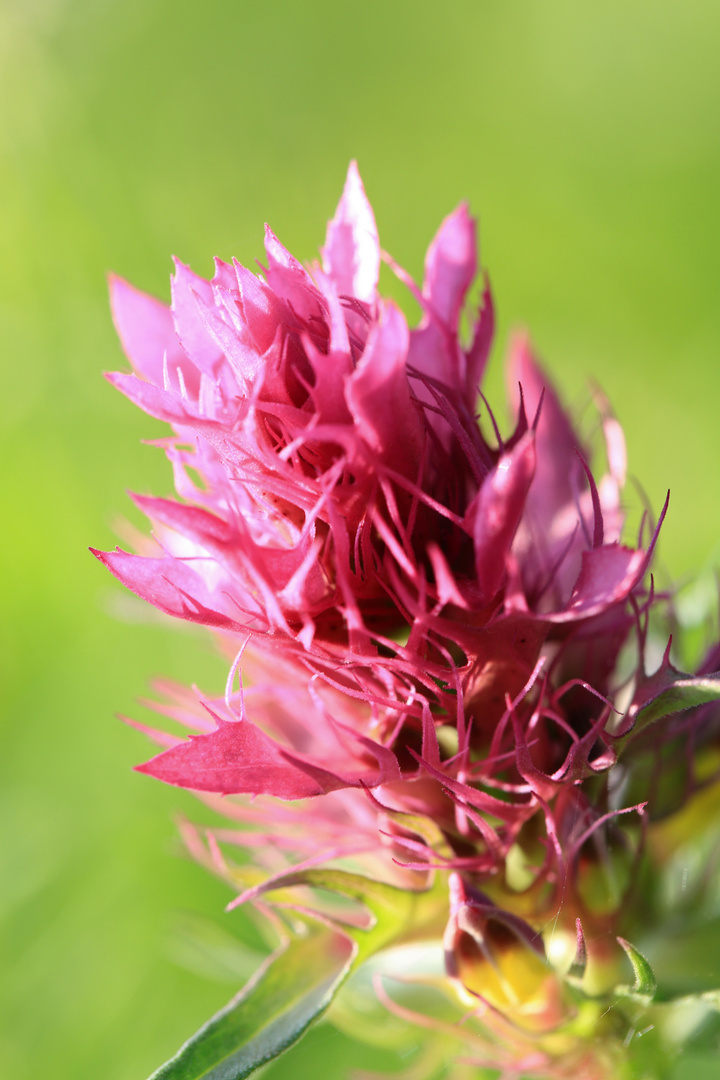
(685, 693)
(396, 912)
(291, 989)
(201, 946)
(666, 692)
(711, 998)
(645, 985)
(296, 985)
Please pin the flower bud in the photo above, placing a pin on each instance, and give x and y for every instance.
(498, 957)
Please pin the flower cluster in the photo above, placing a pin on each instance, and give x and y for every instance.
(437, 635)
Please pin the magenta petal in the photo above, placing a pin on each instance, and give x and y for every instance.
(262, 309)
(155, 401)
(173, 587)
(552, 490)
(339, 343)
(190, 521)
(224, 280)
(289, 278)
(244, 358)
(497, 512)
(331, 368)
(186, 287)
(146, 330)
(378, 394)
(162, 738)
(479, 351)
(279, 258)
(607, 576)
(351, 256)
(430, 354)
(235, 758)
(451, 265)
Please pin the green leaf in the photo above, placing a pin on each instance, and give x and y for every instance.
(684, 693)
(645, 985)
(291, 990)
(296, 985)
(201, 946)
(397, 914)
(666, 692)
(711, 998)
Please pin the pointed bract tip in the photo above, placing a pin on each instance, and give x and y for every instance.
(351, 253)
(579, 964)
(353, 172)
(645, 984)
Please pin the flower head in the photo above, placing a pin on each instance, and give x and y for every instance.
(429, 619)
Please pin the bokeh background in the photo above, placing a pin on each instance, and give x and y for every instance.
(586, 135)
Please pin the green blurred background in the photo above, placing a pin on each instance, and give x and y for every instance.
(584, 134)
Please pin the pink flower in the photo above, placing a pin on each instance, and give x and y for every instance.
(436, 636)
(437, 612)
